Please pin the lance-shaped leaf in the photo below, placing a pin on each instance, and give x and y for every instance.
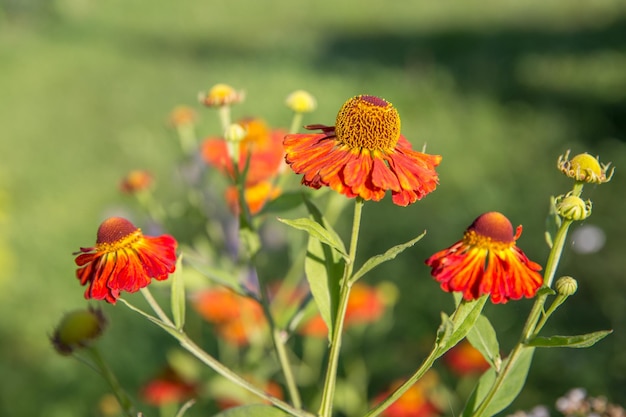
(483, 337)
(178, 295)
(456, 327)
(376, 260)
(579, 341)
(317, 231)
(506, 392)
(254, 410)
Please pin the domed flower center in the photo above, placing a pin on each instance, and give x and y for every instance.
(368, 122)
(490, 230)
(116, 232)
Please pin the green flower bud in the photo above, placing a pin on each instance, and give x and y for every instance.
(585, 168)
(566, 286)
(78, 329)
(235, 133)
(571, 207)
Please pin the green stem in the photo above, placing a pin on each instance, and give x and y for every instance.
(156, 307)
(344, 294)
(108, 375)
(224, 114)
(424, 367)
(530, 327)
(296, 122)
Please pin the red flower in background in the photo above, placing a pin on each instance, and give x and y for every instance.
(363, 155)
(168, 387)
(123, 259)
(464, 359)
(237, 319)
(238, 396)
(136, 181)
(487, 261)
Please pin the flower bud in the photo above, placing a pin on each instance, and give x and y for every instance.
(301, 101)
(566, 286)
(78, 329)
(584, 168)
(221, 95)
(235, 133)
(571, 207)
(182, 115)
(136, 181)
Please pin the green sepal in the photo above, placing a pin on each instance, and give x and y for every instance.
(483, 337)
(390, 254)
(579, 341)
(254, 410)
(178, 295)
(510, 387)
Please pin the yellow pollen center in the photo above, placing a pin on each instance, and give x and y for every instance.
(471, 238)
(116, 233)
(491, 230)
(368, 122)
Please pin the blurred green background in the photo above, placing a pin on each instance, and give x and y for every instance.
(499, 88)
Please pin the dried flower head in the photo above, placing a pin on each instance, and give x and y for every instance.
(78, 329)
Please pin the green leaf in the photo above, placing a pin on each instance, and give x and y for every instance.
(580, 341)
(318, 231)
(461, 322)
(483, 337)
(376, 260)
(170, 329)
(250, 241)
(284, 202)
(178, 295)
(323, 269)
(254, 410)
(508, 390)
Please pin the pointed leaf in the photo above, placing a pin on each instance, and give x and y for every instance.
(178, 295)
(506, 392)
(318, 231)
(483, 337)
(323, 269)
(462, 321)
(376, 260)
(580, 341)
(284, 202)
(254, 410)
(170, 329)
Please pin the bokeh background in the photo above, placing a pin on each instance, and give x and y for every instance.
(499, 88)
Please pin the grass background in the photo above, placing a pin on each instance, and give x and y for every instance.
(499, 88)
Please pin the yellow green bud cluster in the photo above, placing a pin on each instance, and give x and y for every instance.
(221, 95)
(585, 168)
(571, 207)
(78, 329)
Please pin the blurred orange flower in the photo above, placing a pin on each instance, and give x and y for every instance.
(365, 305)
(465, 359)
(183, 115)
(229, 401)
(264, 149)
(487, 261)
(363, 155)
(415, 402)
(237, 319)
(168, 387)
(123, 259)
(135, 181)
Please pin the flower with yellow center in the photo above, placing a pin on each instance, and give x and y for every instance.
(363, 155)
(221, 95)
(487, 261)
(585, 168)
(123, 259)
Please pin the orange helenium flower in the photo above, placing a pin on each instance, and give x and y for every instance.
(363, 155)
(487, 261)
(124, 260)
(416, 401)
(464, 359)
(168, 387)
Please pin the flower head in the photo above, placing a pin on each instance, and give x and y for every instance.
(136, 181)
(301, 101)
(363, 155)
(123, 259)
(182, 116)
(585, 168)
(221, 95)
(78, 329)
(487, 261)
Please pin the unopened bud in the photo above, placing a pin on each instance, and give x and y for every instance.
(571, 207)
(78, 329)
(585, 168)
(301, 101)
(235, 133)
(221, 95)
(566, 286)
